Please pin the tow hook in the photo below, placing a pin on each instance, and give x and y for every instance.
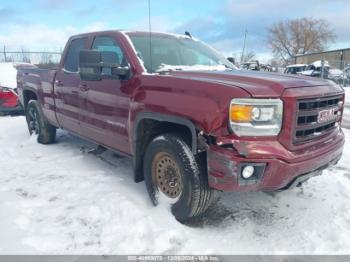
(202, 144)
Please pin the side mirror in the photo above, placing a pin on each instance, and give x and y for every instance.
(96, 65)
(231, 59)
(90, 65)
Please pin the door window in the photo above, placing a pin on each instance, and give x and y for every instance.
(71, 62)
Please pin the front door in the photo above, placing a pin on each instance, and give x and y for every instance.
(106, 103)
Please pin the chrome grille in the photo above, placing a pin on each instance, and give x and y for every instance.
(308, 126)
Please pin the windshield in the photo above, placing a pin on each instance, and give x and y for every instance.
(177, 53)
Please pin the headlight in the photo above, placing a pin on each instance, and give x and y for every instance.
(256, 117)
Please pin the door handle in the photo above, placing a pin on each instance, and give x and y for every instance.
(84, 88)
(58, 83)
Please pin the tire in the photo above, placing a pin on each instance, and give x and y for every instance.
(180, 181)
(38, 125)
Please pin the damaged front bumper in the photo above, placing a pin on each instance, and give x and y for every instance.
(275, 167)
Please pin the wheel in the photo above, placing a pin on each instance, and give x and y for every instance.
(38, 125)
(176, 178)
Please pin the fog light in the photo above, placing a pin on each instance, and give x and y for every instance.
(247, 172)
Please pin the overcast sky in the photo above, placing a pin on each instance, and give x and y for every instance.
(46, 24)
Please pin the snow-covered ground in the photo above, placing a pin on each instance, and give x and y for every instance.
(61, 199)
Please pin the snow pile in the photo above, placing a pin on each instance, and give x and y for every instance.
(8, 75)
(61, 199)
(297, 65)
(164, 68)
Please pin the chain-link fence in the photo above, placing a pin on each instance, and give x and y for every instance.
(27, 56)
(339, 72)
(335, 70)
(334, 65)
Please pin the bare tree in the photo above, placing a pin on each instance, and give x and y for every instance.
(46, 58)
(25, 55)
(291, 37)
(249, 56)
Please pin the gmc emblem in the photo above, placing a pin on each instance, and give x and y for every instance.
(327, 115)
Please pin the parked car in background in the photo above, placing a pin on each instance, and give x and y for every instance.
(315, 69)
(252, 65)
(294, 69)
(266, 67)
(9, 102)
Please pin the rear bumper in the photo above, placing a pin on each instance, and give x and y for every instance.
(9, 103)
(17, 109)
(283, 169)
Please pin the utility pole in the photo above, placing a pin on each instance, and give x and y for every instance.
(322, 68)
(244, 43)
(5, 54)
(342, 60)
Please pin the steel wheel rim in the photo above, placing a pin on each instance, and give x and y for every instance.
(167, 177)
(33, 121)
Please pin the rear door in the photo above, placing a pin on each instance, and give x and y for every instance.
(106, 102)
(67, 88)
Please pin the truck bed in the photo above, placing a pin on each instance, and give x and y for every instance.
(36, 77)
(41, 82)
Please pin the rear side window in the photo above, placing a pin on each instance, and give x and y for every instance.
(71, 62)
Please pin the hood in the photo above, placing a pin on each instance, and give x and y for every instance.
(258, 84)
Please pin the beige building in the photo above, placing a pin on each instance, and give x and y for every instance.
(336, 58)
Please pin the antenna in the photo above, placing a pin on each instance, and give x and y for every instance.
(150, 34)
(188, 34)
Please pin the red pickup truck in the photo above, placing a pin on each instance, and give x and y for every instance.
(187, 117)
